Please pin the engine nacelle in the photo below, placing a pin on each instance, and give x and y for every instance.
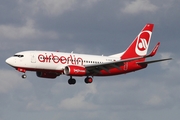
(46, 74)
(73, 70)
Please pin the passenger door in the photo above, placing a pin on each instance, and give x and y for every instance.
(33, 58)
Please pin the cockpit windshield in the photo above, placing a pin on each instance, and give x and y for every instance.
(18, 55)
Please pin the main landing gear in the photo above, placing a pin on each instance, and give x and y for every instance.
(87, 80)
(72, 81)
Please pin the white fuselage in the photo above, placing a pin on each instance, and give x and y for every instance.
(47, 60)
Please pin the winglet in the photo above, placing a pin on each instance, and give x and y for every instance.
(153, 52)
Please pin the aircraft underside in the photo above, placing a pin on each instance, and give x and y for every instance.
(52, 74)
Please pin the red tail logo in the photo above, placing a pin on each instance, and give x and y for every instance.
(142, 44)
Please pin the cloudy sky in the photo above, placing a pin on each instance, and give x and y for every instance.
(93, 27)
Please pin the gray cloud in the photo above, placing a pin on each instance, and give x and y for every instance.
(139, 6)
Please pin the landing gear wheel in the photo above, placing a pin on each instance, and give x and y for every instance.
(88, 80)
(24, 76)
(72, 81)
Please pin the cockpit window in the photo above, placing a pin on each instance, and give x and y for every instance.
(18, 55)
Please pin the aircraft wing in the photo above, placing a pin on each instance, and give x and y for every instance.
(96, 68)
(153, 61)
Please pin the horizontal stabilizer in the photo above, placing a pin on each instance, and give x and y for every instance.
(153, 61)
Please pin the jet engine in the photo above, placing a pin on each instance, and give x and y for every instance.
(74, 70)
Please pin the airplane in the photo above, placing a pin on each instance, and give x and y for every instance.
(49, 64)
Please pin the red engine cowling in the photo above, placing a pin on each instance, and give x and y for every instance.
(73, 70)
(46, 74)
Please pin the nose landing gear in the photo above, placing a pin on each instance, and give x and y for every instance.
(23, 71)
(24, 76)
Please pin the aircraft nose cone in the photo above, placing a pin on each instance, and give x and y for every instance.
(8, 61)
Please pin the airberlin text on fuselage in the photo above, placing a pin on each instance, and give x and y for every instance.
(71, 59)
